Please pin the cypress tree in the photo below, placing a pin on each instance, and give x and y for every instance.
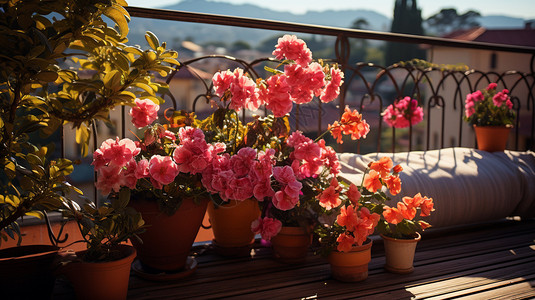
(407, 19)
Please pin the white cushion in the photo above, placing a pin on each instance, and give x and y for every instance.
(467, 185)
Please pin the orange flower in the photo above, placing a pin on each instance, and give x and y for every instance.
(372, 182)
(423, 224)
(382, 166)
(345, 242)
(394, 184)
(329, 198)
(336, 132)
(392, 215)
(415, 201)
(348, 218)
(407, 212)
(353, 194)
(397, 169)
(352, 124)
(426, 207)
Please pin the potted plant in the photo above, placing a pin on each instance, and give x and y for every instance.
(161, 175)
(72, 68)
(398, 225)
(491, 114)
(102, 271)
(264, 161)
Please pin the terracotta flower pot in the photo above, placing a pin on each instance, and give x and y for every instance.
(399, 254)
(492, 138)
(101, 280)
(351, 266)
(291, 244)
(231, 225)
(27, 272)
(167, 240)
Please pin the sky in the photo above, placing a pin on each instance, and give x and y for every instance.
(515, 8)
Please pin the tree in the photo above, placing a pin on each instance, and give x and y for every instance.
(407, 19)
(448, 20)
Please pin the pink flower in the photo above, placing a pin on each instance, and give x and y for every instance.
(144, 113)
(332, 89)
(242, 162)
(263, 189)
(403, 113)
(297, 138)
(222, 81)
(244, 92)
(276, 95)
(109, 179)
(288, 195)
(128, 176)
(491, 86)
(142, 169)
(290, 47)
(500, 98)
(117, 152)
(193, 154)
(267, 227)
(329, 198)
(304, 81)
(163, 169)
(240, 188)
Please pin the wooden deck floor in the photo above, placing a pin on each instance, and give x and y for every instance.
(490, 261)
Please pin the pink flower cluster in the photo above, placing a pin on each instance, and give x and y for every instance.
(403, 113)
(119, 162)
(267, 227)
(476, 97)
(359, 224)
(309, 158)
(299, 83)
(242, 176)
(144, 113)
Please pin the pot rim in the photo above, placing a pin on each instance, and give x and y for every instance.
(410, 240)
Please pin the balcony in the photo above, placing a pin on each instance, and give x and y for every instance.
(484, 259)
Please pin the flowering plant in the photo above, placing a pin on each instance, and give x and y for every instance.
(398, 221)
(363, 209)
(284, 171)
(403, 113)
(487, 107)
(165, 165)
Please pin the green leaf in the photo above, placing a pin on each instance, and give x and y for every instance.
(133, 50)
(112, 80)
(153, 41)
(118, 16)
(47, 76)
(82, 138)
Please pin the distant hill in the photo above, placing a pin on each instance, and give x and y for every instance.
(170, 31)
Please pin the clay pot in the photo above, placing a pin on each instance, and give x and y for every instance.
(27, 272)
(351, 266)
(291, 244)
(231, 225)
(399, 254)
(492, 138)
(101, 280)
(167, 240)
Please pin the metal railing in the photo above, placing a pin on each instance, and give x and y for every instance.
(438, 88)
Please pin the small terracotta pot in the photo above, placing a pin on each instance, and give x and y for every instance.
(231, 223)
(291, 244)
(27, 272)
(167, 240)
(101, 280)
(492, 138)
(399, 254)
(351, 266)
